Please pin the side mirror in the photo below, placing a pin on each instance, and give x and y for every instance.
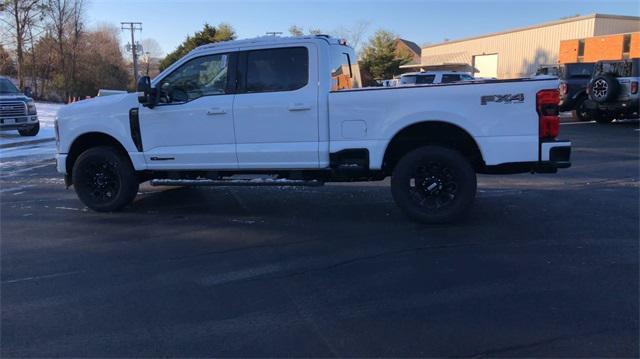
(144, 86)
(27, 91)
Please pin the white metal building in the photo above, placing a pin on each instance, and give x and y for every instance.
(518, 52)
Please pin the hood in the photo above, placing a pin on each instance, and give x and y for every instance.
(14, 97)
(103, 106)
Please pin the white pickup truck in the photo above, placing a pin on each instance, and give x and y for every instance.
(287, 112)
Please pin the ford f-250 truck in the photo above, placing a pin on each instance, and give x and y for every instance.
(274, 107)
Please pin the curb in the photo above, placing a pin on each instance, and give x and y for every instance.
(27, 143)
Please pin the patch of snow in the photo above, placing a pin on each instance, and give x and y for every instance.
(47, 113)
(38, 151)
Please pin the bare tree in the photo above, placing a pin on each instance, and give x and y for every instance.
(6, 65)
(65, 21)
(152, 47)
(152, 54)
(20, 16)
(77, 28)
(296, 30)
(354, 34)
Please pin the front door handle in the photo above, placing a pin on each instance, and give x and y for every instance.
(299, 107)
(216, 111)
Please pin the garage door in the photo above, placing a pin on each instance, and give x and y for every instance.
(485, 65)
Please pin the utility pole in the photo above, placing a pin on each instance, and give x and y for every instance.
(273, 33)
(132, 27)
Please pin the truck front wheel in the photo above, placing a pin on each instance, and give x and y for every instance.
(104, 179)
(434, 184)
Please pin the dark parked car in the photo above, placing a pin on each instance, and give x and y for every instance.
(574, 79)
(17, 110)
(613, 90)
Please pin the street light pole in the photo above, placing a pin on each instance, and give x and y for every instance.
(132, 27)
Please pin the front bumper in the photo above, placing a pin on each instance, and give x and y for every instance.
(61, 163)
(14, 123)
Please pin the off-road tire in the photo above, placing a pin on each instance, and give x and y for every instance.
(604, 88)
(104, 179)
(30, 131)
(434, 184)
(581, 113)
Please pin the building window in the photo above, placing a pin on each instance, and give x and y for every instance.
(626, 46)
(580, 50)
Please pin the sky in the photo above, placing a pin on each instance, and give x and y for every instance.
(421, 21)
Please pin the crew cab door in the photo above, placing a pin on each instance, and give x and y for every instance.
(276, 108)
(192, 125)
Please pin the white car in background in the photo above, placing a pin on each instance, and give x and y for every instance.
(433, 77)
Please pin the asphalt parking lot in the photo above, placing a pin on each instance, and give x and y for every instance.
(545, 265)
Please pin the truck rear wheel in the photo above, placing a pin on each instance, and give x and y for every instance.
(104, 179)
(434, 184)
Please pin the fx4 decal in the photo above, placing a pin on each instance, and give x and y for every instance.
(506, 99)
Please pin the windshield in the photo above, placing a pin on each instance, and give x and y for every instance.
(627, 68)
(551, 71)
(578, 70)
(7, 87)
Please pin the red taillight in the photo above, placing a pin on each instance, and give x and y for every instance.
(547, 106)
(563, 88)
(634, 87)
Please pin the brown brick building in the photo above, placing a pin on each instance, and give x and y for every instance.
(608, 47)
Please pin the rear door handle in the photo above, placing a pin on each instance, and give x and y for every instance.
(299, 107)
(216, 111)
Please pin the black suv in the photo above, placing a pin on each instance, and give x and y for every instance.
(613, 90)
(574, 79)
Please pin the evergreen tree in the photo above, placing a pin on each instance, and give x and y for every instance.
(380, 57)
(209, 34)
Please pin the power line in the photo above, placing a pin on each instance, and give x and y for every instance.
(132, 27)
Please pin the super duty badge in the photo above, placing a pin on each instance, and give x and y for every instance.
(506, 99)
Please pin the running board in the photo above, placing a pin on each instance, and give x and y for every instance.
(236, 182)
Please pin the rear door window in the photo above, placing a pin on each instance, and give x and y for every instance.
(449, 78)
(426, 79)
(577, 70)
(281, 69)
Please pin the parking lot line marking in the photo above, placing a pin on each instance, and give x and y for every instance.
(46, 276)
(577, 123)
(15, 189)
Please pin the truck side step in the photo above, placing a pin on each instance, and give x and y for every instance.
(236, 182)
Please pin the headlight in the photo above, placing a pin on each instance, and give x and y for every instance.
(31, 108)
